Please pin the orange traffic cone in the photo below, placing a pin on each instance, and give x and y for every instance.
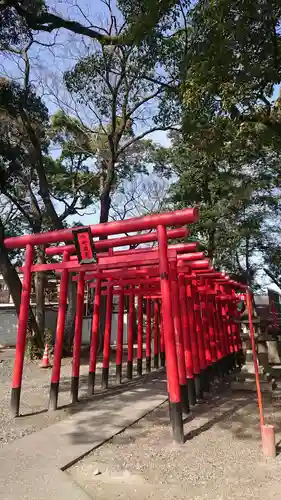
(45, 360)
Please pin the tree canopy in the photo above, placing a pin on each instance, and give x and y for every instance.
(18, 17)
(234, 55)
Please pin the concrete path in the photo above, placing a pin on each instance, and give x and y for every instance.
(31, 468)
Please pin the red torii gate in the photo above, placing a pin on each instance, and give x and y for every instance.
(190, 351)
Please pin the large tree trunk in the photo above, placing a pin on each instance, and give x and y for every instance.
(40, 294)
(70, 316)
(13, 282)
(56, 222)
(57, 225)
(105, 202)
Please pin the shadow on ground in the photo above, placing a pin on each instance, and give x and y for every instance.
(233, 411)
(236, 412)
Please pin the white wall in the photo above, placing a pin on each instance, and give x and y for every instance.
(87, 325)
(9, 322)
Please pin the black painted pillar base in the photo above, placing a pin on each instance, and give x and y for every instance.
(215, 370)
(224, 364)
(156, 361)
(129, 370)
(139, 367)
(53, 399)
(220, 371)
(162, 359)
(240, 358)
(205, 380)
(198, 386)
(148, 365)
(237, 365)
(228, 364)
(175, 412)
(184, 398)
(74, 389)
(104, 378)
(91, 383)
(232, 362)
(211, 374)
(118, 374)
(15, 401)
(191, 391)
(237, 361)
(223, 367)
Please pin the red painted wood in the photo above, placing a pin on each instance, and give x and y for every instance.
(176, 218)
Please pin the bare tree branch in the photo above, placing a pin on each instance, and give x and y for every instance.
(141, 136)
(271, 276)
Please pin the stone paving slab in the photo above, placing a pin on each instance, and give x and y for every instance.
(31, 467)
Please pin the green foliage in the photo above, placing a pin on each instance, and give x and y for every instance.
(14, 99)
(70, 181)
(144, 16)
(235, 49)
(32, 350)
(16, 149)
(21, 16)
(116, 87)
(224, 171)
(272, 252)
(228, 163)
(75, 138)
(233, 55)
(48, 339)
(13, 30)
(89, 151)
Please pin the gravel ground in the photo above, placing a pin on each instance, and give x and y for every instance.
(35, 393)
(220, 460)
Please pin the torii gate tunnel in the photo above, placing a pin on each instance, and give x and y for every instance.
(190, 307)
